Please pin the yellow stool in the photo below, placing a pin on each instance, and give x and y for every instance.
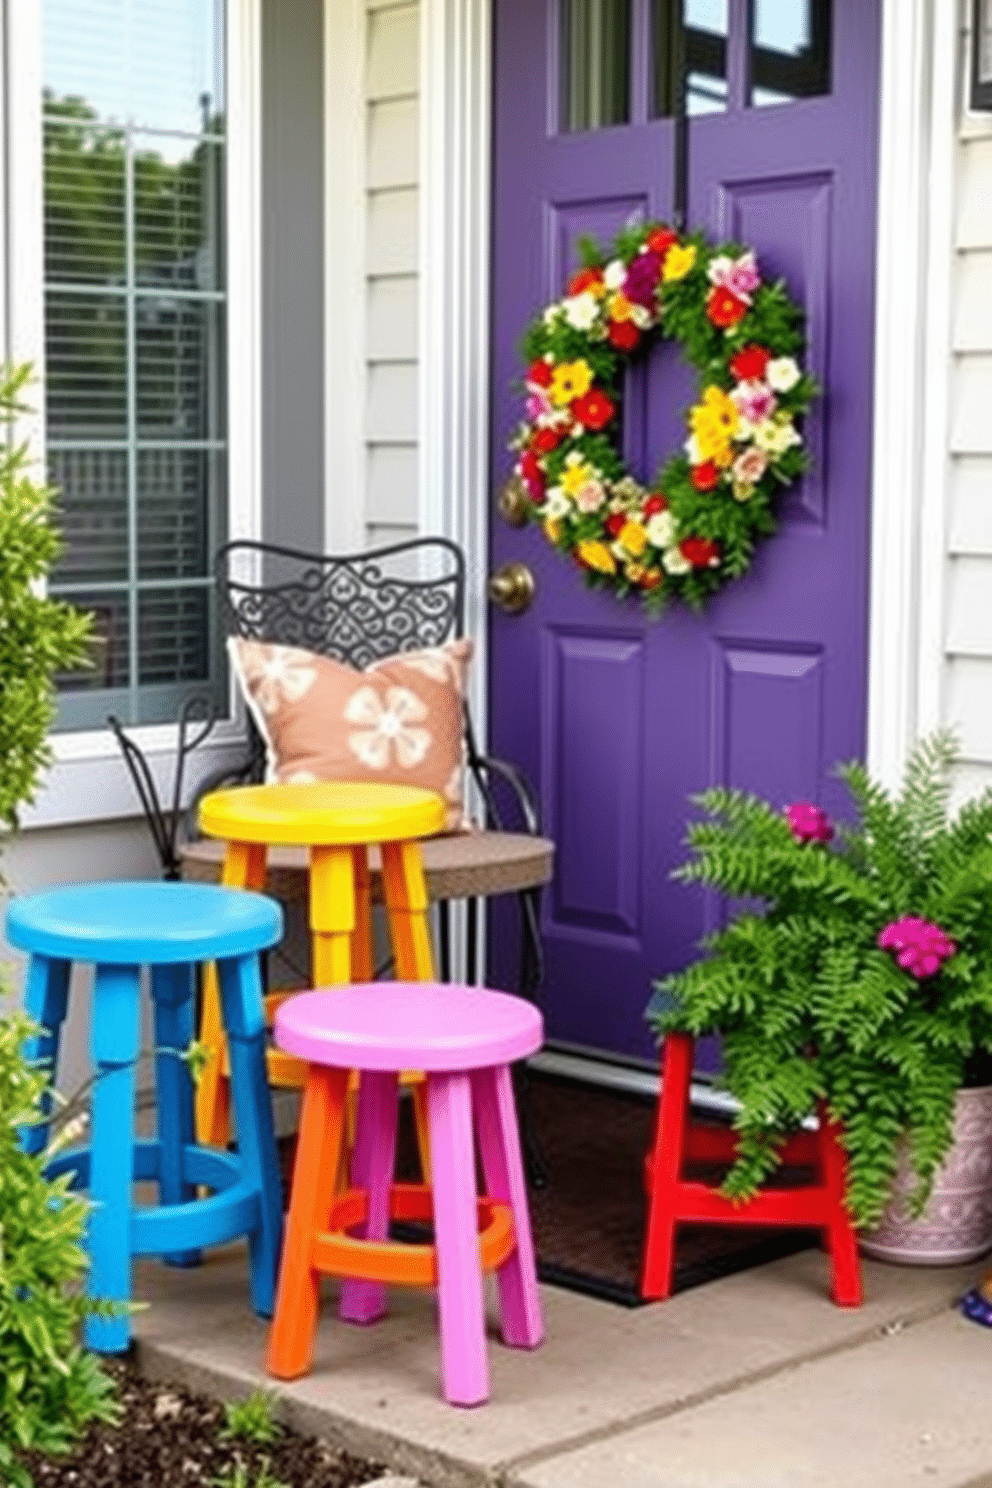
(338, 822)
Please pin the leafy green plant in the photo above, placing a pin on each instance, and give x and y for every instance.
(49, 1386)
(864, 979)
(250, 1419)
(39, 637)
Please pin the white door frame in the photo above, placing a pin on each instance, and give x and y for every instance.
(912, 337)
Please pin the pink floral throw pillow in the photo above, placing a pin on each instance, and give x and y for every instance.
(399, 721)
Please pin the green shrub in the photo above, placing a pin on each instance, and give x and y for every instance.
(50, 1387)
(39, 637)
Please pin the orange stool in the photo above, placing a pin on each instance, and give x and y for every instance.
(338, 822)
(674, 1198)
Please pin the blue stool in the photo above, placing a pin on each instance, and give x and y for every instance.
(168, 927)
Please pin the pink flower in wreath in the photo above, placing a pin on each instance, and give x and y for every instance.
(739, 275)
(921, 948)
(808, 823)
(754, 401)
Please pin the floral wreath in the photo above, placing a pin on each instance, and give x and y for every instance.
(695, 528)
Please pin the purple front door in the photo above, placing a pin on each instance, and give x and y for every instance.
(618, 719)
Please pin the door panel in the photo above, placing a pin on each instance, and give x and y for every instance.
(618, 719)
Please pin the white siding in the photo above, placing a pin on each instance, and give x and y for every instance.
(392, 73)
(967, 689)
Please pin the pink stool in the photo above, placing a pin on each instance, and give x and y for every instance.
(464, 1039)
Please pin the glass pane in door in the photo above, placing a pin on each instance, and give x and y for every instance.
(595, 63)
(790, 50)
(704, 40)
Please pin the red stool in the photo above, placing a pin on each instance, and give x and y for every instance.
(674, 1198)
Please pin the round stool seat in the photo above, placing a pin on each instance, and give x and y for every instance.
(408, 1025)
(128, 923)
(329, 813)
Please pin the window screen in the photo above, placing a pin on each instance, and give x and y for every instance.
(134, 201)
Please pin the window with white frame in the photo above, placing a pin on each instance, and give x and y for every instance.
(135, 302)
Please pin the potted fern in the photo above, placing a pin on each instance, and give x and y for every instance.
(862, 976)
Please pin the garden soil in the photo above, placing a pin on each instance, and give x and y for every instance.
(171, 1438)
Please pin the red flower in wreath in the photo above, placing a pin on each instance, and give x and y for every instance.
(748, 364)
(701, 552)
(723, 308)
(705, 476)
(545, 440)
(539, 373)
(532, 475)
(661, 240)
(654, 505)
(615, 523)
(583, 280)
(623, 334)
(594, 409)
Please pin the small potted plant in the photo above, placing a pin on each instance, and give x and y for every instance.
(862, 977)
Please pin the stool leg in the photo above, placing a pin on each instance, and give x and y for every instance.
(464, 1365)
(502, 1166)
(46, 996)
(405, 894)
(115, 1043)
(373, 1162)
(333, 914)
(244, 868)
(669, 1145)
(318, 1155)
(172, 999)
(362, 969)
(841, 1240)
(244, 1019)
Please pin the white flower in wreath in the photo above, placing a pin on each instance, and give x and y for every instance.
(614, 274)
(782, 374)
(276, 674)
(776, 435)
(387, 728)
(642, 317)
(556, 504)
(581, 310)
(675, 561)
(661, 529)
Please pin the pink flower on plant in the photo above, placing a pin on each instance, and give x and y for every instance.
(921, 948)
(808, 823)
(538, 405)
(754, 401)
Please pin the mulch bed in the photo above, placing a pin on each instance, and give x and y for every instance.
(170, 1438)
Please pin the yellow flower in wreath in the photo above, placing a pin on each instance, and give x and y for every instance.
(633, 539)
(714, 423)
(576, 474)
(570, 380)
(596, 555)
(679, 261)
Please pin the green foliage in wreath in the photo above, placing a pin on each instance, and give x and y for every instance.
(866, 982)
(696, 526)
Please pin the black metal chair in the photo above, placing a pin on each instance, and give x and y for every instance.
(359, 608)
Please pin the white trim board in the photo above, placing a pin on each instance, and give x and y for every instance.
(912, 336)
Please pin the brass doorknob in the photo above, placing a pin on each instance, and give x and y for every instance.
(512, 587)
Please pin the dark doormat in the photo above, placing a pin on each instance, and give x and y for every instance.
(589, 1219)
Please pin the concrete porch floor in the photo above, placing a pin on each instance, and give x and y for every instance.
(755, 1381)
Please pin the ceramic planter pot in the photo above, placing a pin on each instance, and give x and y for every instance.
(956, 1225)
